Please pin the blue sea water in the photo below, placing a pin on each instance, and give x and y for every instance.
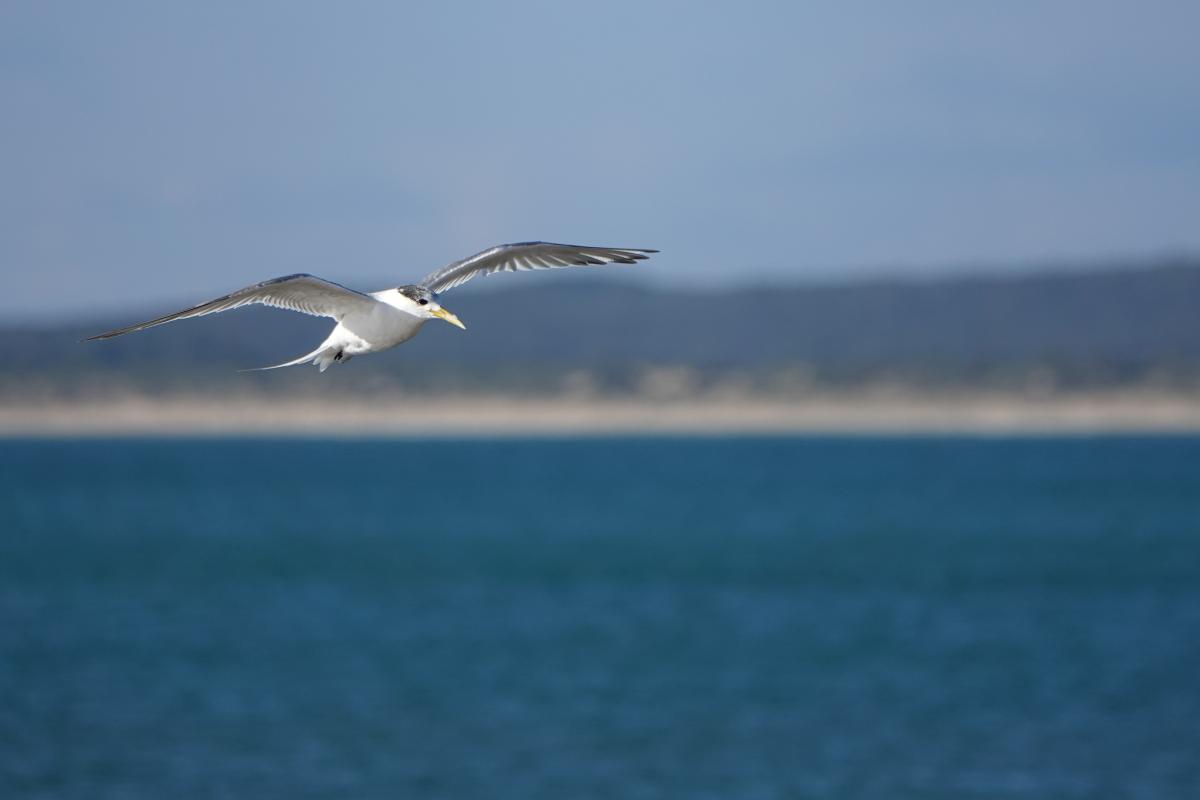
(632, 618)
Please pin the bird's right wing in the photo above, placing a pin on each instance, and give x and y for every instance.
(307, 294)
(529, 255)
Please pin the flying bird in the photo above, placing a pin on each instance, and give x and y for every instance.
(371, 323)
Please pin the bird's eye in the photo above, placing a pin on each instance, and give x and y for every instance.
(423, 301)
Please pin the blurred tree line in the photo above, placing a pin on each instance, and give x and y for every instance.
(1043, 332)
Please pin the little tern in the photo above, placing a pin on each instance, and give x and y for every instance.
(371, 323)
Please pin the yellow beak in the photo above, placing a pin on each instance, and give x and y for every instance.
(442, 313)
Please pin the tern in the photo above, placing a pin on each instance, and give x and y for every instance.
(378, 321)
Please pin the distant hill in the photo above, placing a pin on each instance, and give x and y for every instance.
(1109, 327)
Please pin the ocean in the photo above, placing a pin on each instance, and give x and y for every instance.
(601, 618)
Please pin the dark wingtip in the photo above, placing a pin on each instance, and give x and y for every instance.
(99, 336)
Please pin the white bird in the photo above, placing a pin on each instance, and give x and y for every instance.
(371, 323)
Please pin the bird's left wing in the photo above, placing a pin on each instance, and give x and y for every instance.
(528, 255)
(307, 294)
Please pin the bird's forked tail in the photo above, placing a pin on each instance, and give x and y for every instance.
(322, 357)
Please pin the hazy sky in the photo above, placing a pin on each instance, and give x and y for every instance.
(170, 151)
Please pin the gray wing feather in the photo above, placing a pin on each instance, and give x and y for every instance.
(307, 294)
(529, 255)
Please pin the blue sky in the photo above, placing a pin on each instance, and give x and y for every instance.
(177, 151)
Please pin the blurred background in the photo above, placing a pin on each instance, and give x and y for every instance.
(879, 481)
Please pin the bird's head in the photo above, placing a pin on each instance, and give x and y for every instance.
(421, 302)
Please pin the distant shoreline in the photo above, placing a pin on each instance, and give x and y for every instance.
(967, 414)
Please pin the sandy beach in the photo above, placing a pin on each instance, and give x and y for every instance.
(975, 413)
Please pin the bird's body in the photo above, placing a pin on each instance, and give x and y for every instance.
(379, 327)
(370, 323)
(384, 326)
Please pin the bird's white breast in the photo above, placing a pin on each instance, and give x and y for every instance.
(381, 327)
